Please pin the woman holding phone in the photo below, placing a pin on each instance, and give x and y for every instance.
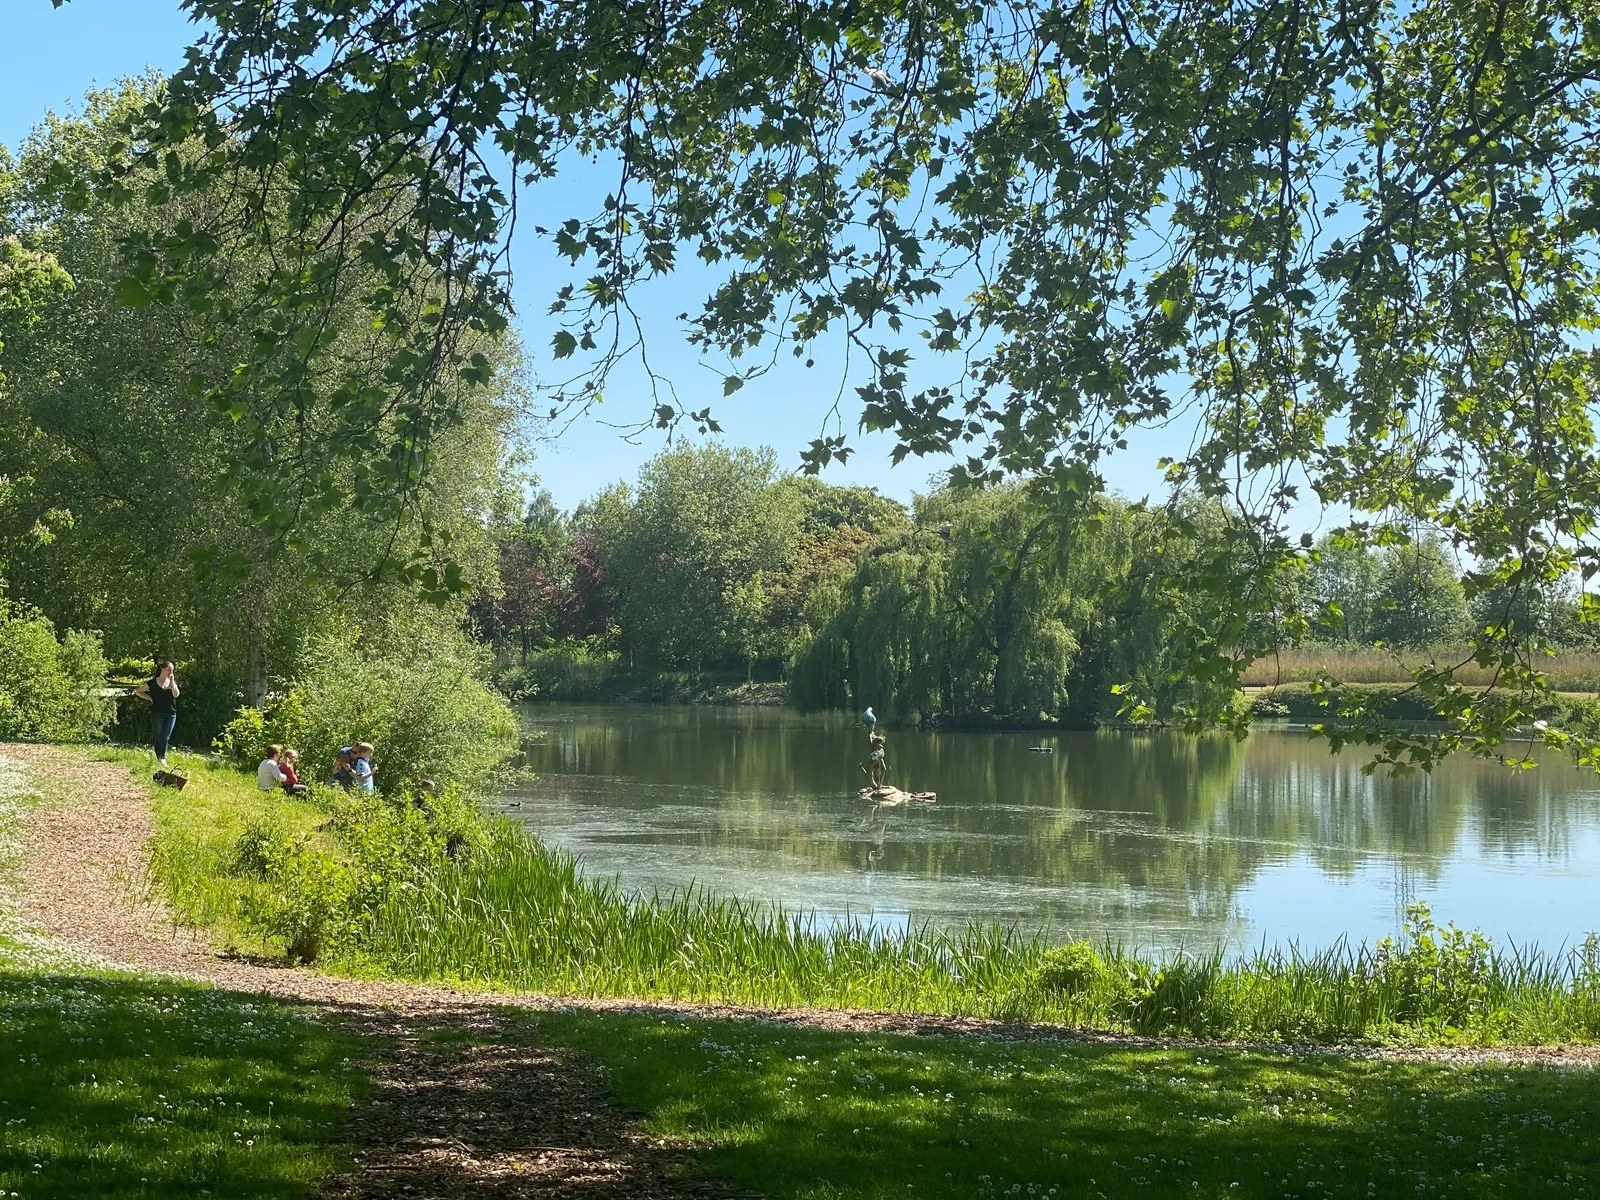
(162, 692)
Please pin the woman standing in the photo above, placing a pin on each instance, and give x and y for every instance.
(162, 692)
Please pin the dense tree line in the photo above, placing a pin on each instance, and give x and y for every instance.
(975, 603)
(120, 505)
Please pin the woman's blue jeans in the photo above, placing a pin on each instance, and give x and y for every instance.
(161, 729)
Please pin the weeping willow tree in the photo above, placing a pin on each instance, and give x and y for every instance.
(1003, 605)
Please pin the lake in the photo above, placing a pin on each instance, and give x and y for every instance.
(1156, 839)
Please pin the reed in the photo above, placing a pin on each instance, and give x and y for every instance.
(1568, 671)
(455, 896)
(521, 916)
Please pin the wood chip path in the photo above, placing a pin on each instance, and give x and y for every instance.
(488, 1116)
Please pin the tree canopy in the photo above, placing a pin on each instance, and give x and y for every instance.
(1353, 242)
(117, 477)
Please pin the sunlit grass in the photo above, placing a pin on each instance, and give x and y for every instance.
(1569, 670)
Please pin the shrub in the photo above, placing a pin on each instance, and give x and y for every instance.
(1179, 993)
(50, 690)
(573, 670)
(1070, 970)
(1438, 977)
(319, 894)
(417, 691)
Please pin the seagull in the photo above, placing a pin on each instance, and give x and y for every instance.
(868, 719)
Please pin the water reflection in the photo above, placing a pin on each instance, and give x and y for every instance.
(1153, 838)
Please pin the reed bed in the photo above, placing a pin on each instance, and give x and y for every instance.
(522, 916)
(1569, 671)
(441, 892)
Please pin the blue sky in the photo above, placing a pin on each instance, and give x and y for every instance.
(50, 57)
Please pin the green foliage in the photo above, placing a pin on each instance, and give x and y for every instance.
(308, 898)
(416, 688)
(685, 553)
(50, 689)
(1375, 278)
(321, 889)
(121, 509)
(29, 279)
(1071, 969)
(1001, 606)
(1420, 600)
(1440, 976)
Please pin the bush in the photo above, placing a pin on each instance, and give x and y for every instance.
(308, 902)
(321, 892)
(1070, 970)
(417, 691)
(1438, 977)
(50, 690)
(573, 670)
(1180, 993)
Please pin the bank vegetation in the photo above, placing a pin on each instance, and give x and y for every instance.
(426, 887)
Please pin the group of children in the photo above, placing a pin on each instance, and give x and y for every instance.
(352, 769)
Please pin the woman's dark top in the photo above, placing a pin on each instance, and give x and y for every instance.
(161, 700)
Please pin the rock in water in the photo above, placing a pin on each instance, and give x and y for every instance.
(893, 795)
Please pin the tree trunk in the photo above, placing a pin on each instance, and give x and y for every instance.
(256, 674)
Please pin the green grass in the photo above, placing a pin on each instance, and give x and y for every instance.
(370, 881)
(115, 1085)
(808, 1115)
(197, 829)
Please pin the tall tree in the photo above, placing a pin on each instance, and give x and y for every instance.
(685, 553)
(124, 477)
(1419, 597)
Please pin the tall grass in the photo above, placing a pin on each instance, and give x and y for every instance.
(520, 915)
(437, 891)
(1569, 671)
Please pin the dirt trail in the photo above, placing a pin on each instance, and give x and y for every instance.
(462, 1107)
(551, 1132)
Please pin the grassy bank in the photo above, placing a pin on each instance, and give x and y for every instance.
(385, 888)
(115, 1084)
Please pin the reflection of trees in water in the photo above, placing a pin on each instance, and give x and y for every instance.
(1192, 818)
(1290, 792)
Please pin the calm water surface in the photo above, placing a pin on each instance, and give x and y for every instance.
(1156, 839)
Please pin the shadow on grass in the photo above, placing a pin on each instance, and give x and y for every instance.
(122, 1086)
(808, 1114)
